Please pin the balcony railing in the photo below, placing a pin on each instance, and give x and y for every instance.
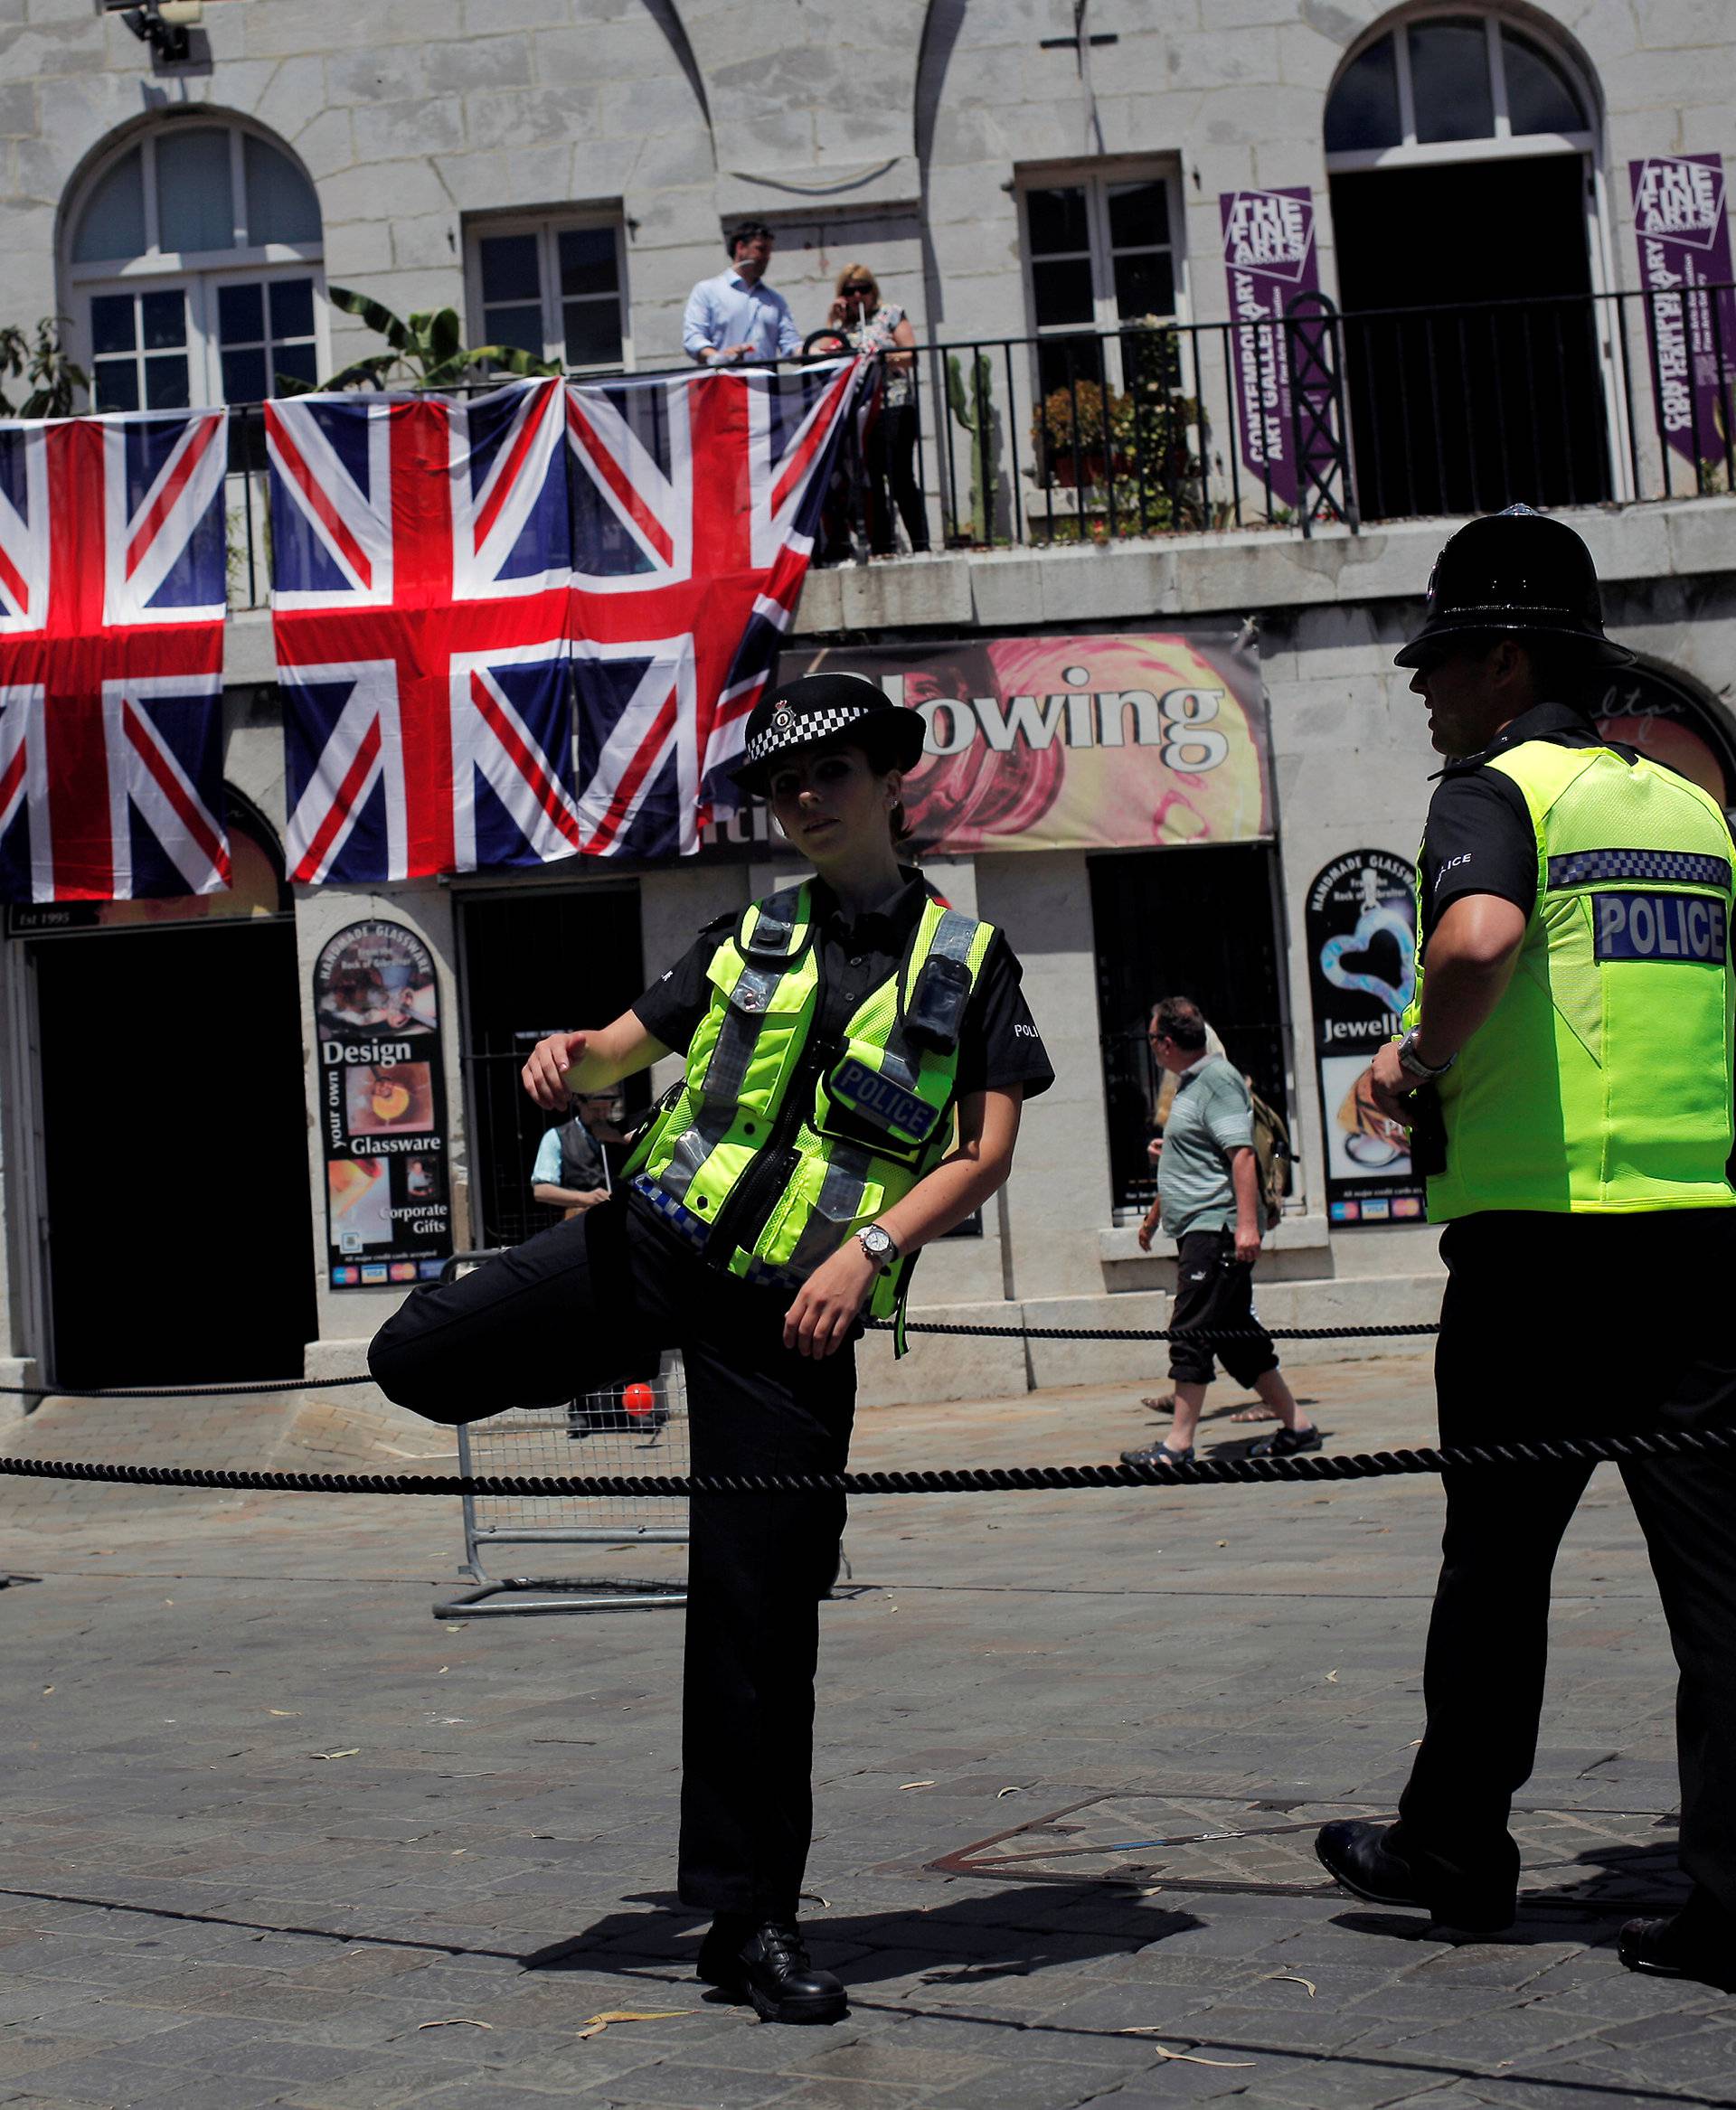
(1316, 418)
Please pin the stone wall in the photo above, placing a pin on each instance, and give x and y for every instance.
(895, 132)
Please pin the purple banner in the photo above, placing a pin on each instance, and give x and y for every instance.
(1268, 258)
(1683, 248)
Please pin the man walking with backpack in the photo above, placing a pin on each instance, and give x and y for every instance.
(1210, 1203)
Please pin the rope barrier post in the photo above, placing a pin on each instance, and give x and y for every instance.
(616, 1426)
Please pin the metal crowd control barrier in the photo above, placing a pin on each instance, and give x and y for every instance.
(635, 1427)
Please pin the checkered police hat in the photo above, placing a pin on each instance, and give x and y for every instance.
(818, 708)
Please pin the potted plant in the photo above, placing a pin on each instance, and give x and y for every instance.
(1083, 435)
(55, 379)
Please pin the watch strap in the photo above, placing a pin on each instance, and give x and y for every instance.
(1413, 1064)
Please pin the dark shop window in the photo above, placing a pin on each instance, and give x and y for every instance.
(1199, 923)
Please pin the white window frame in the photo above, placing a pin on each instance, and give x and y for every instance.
(1098, 179)
(197, 363)
(197, 273)
(547, 227)
(265, 277)
(204, 350)
(1503, 143)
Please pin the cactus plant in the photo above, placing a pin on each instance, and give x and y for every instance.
(973, 411)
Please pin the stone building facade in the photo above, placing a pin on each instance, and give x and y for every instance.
(561, 171)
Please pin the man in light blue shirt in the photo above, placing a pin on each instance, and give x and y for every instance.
(736, 316)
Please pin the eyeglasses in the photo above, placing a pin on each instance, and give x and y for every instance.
(865, 290)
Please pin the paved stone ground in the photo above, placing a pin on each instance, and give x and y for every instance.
(275, 1835)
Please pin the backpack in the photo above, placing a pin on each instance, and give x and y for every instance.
(1272, 1152)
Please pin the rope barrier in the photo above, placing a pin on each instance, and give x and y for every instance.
(1203, 1335)
(966, 1479)
(174, 1391)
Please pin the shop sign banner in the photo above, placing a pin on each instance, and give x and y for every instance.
(1268, 258)
(1360, 923)
(1684, 236)
(1072, 743)
(383, 1107)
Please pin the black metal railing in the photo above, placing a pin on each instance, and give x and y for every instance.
(1316, 418)
(1468, 408)
(1091, 435)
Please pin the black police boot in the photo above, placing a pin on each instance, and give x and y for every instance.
(1698, 1943)
(720, 1953)
(769, 1965)
(1362, 1858)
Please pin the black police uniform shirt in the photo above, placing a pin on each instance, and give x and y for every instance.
(998, 1048)
(1479, 838)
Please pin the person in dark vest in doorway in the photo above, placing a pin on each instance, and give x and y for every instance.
(856, 1056)
(573, 1171)
(1566, 1074)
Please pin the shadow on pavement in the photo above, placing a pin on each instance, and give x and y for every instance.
(1008, 1933)
(1620, 1882)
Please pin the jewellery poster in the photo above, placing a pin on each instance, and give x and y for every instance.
(382, 1107)
(1362, 936)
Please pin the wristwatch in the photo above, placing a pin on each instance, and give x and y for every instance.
(881, 1245)
(1413, 1065)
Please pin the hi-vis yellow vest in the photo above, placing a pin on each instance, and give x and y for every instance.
(772, 1154)
(1600, 1083)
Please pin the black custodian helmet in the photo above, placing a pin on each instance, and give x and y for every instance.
(817, 708)
(1515, 572)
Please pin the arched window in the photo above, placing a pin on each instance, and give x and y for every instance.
(1468, 231)
(1444, 81)
(192, 261)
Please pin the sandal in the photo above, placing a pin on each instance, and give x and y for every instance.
(1254, 1414)
(1158, 1453)
(1286, 1443)
(1164, 1406)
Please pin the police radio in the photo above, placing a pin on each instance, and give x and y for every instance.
(936, 1015)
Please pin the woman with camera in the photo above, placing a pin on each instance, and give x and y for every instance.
(868, 325)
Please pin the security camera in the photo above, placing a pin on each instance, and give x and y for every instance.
(164, 25)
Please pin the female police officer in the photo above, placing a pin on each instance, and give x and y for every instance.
(833, 1033)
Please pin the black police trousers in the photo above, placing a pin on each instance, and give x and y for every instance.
(1556, 1326)
(582, 1304)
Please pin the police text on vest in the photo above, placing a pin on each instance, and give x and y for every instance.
(1659, 926)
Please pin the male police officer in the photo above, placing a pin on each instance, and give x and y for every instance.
(1566, 1073)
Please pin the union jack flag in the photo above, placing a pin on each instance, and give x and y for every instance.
(694, 503)
(111, 653)
(422, 567)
